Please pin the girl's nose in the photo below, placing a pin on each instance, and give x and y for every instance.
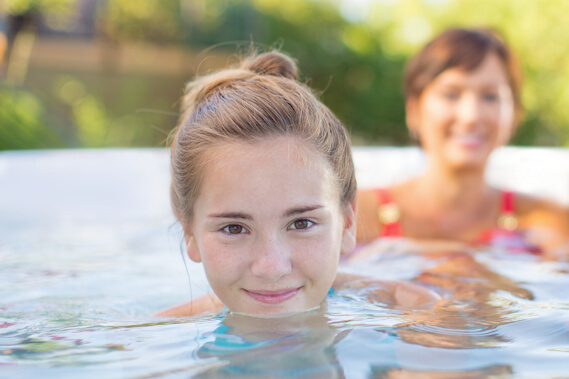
(272, 260)
(469, 109)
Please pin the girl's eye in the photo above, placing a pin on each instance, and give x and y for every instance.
(451, 95)
(301, 224)
(234, 229)
(491, 97)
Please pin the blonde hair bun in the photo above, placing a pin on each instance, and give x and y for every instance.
(272, 63)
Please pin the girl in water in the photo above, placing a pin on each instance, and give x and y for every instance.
(462, 102)
(263, 185)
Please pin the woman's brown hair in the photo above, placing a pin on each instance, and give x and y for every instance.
(257, 100)
(464, 49)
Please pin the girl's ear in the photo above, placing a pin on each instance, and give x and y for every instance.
(191, 245)
(349, 233)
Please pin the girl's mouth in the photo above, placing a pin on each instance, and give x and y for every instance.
(273, 297)
(468, 140)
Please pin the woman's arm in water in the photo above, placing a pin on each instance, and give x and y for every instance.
(546, 224)
(393, 292)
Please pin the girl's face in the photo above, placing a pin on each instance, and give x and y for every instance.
(461, 116)
(269, 227)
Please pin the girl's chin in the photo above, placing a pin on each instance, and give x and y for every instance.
(468, 158)
(468, 165)
(289, 308)
(277, 313)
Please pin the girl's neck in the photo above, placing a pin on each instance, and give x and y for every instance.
(454, 189)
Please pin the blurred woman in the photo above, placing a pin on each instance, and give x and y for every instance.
(462, 96)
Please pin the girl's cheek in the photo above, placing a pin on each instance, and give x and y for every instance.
(313, 252)
(222, 270)
(217, 257)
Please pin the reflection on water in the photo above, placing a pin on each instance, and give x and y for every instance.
(76, 293)
(245, 347)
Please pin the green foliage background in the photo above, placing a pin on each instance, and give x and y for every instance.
(351, 52)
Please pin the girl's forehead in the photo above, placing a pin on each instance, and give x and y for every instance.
(490, 69)
(266, 177)
(289, 148)
(267, 156)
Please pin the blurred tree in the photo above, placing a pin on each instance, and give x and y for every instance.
(147, 20)
(20, 122)
(352, 52)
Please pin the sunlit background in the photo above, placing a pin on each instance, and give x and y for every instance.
(96, 73)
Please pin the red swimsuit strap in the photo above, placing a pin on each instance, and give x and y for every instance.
(508, 198)
(388, 214)
(507, 219)
(506, 222)
(383, 196)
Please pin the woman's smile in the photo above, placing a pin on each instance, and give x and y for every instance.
(468, 140)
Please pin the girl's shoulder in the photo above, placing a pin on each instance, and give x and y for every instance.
(208, 303)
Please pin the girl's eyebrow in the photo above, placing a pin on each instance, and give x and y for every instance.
(450, 85)
(244, 216)
(308, 208)
(231, 215)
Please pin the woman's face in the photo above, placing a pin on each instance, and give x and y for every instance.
(461, 116)
(269, 227)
